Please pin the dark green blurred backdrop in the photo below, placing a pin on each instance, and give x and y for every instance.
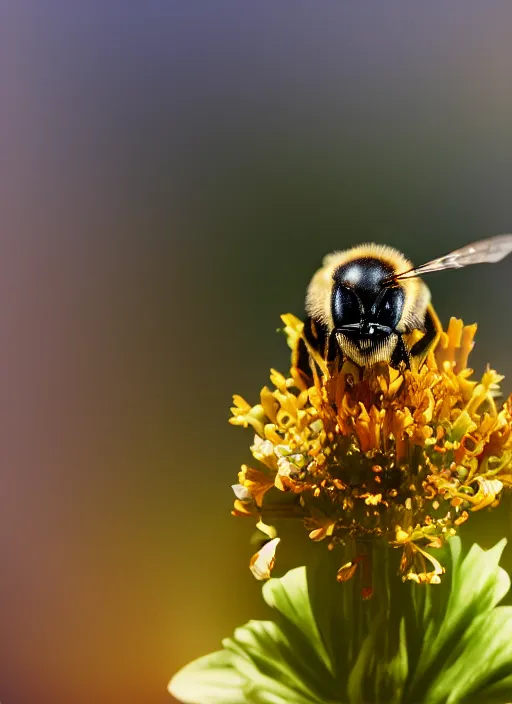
(172, 174)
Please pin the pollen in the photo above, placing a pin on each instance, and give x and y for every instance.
(401, 456)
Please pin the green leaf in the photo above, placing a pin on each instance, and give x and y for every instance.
(423, 644)
(268, 653)
(290, 596)
(209, 680)
(266, 690)
(380, 671)
(333, 608)
(455, 631)
(483, 658)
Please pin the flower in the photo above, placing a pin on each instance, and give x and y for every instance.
(404, 456)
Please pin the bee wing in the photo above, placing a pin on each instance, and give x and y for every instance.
(490, 250)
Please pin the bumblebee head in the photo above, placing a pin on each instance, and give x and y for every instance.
(355, 291)
(360, 300)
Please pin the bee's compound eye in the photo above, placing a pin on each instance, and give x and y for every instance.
(345, 306)
(391, 307)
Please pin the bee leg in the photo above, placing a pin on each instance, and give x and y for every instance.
(318, 338)
(421, 348)
(300, 356)
(314, 334)
(300, 360)
(400, 354)
(332, 349)
(333, 354)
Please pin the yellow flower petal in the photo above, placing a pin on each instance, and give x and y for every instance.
(347, 571)
(256, 482)
(269, 531)
(262, 563)
(322, 532)
(255, 417)
(486, 494)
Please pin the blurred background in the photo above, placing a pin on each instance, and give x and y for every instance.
(172, 174)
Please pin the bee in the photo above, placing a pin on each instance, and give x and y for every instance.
(364, 303)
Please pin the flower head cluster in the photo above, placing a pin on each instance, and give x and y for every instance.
(400, 455)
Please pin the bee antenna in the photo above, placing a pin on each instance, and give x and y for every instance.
(390, 282)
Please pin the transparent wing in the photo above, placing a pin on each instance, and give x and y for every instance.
(490, 250)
